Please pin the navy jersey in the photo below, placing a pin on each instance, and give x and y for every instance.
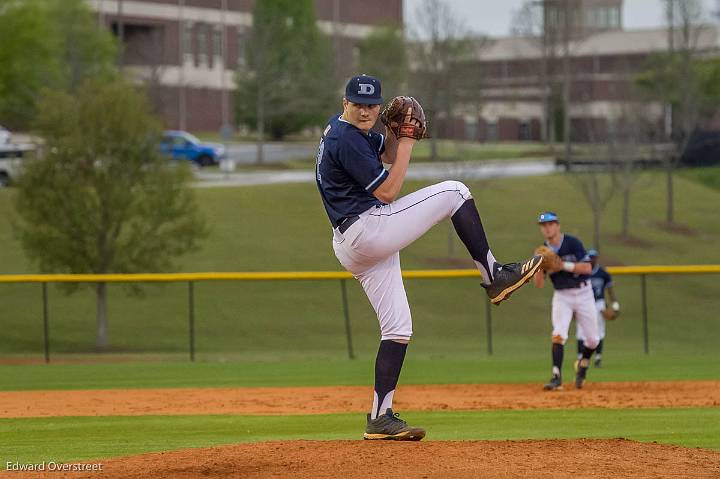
(348, 169)
(571, 249)
(600, 279)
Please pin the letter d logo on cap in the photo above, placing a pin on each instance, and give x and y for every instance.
(366, 89)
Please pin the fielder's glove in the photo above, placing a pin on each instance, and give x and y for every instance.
(404, 116)
(610, 314)
(551, 261)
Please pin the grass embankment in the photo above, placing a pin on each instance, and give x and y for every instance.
(283, 227)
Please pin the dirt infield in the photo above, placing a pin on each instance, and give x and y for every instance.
(441, 459)
(342, 399)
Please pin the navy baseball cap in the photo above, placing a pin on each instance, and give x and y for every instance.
(593, 253)
(364, 89)
(547, 217)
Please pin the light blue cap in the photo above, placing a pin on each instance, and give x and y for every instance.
(547, 217)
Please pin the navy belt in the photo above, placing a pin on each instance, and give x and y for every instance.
(347, 223)
(576, 286)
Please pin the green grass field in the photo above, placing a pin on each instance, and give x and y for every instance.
(36, 440)
(274, 320)
(80, 438)
(292, 334)
(418, 369)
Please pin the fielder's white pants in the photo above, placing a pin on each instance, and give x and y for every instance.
(581, 302)
(599, 307)
(370, 248)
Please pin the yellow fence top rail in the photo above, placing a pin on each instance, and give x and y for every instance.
(309, 275)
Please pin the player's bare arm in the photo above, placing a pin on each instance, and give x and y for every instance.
(611, 294)
(391, 146)
(539, 279)
(389, 190)
(581, 267)
(614, 303)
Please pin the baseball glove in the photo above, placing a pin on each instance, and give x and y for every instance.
(551, 261)
(405, 117)
(609, 314)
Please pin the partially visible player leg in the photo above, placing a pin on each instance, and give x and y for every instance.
(579, 334)
(586, 315)
(393, 227)
(599, 306)
(561, 317)
(384, 287)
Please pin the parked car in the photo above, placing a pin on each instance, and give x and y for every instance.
(181, 145)
(11, 157)
(703, 149)
(4, 136)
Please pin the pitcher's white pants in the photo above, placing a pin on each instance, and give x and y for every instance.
(599, 307)
(370, 248)
(581, 302)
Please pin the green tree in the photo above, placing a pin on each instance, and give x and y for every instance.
(288, 83)
(101, 199)
(48, 44)
(384, 54)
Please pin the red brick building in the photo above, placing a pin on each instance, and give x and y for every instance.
(603, 66)
(519, 77)
(187, 51)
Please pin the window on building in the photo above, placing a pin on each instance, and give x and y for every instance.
(218, 45)
(241, 49)
(492, 131)
(552, 17)
(524, 131)
(590, 18)
(187, 42)
(471, 128)
(604, 17)
(202, 44)
(614, 17)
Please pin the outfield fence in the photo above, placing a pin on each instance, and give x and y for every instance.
(342, 277)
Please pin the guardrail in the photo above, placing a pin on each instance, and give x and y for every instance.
(192, 278)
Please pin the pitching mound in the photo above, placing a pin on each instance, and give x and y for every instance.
(468, 459)
(343, 399)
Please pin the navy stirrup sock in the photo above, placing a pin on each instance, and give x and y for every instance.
(469, 228)
(388, 364)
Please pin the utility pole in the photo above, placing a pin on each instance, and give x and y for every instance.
(567, 26)
(224, 110)
(121, 25)
(183, 42)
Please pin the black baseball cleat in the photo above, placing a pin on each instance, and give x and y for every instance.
(389, 426)
(555, 383)
(598, 363)
(581, 372)
(509, 277)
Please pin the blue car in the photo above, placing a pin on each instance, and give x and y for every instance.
(181, 145)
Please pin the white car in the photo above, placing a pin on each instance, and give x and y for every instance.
(4, 136)
(11, 157)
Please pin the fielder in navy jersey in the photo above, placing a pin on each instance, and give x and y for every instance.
(573, 296)
(601, 282)
(370, 225)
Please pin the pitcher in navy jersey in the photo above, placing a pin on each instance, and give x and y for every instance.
(370, 225)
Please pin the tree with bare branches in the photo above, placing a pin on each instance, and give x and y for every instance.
(675, 78)
(440, 42)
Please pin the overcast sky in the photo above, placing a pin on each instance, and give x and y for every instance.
(493, 17)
